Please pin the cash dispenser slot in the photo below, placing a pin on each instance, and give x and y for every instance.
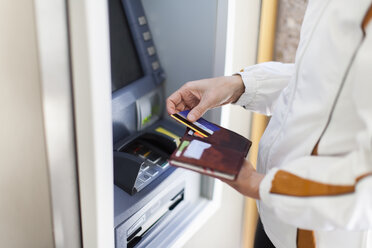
(140, 160)
(154, 215)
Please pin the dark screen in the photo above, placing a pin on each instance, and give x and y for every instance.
(125, 65)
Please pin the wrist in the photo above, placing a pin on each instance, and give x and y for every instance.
(255, 181)
(238, 87)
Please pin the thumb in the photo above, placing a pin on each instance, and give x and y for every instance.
(198, 111)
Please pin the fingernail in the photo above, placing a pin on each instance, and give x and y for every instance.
(191, 117)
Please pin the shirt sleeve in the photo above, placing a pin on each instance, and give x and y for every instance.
(263, 84)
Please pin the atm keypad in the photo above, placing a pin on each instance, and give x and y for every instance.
(153, 165)
(150, 169)
(154, 162)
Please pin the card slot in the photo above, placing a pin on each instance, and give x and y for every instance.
(155, 149)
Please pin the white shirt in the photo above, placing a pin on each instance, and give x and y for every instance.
(326, 95)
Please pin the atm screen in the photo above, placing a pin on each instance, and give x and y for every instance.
(125, 64)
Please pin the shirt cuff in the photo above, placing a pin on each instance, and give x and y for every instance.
(265, 187)
(251, 87)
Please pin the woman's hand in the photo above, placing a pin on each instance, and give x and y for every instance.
(248, 181)
(199, 96)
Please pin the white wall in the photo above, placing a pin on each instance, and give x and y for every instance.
(224, 229)
(25, 209)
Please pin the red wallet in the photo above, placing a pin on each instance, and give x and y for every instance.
(220, 155)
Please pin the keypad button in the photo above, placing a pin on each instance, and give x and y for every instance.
(138, 183)
(153, 157)
(144, 166)
(152, 172)
(145, 177)
(142, 20)
(162, 163)
(155, 65)
(151, 51)
(146, 36)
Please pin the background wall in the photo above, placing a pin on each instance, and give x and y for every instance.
(224, 229)
(290, 17)
(25, 210)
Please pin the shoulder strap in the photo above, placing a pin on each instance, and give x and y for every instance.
(367, 18)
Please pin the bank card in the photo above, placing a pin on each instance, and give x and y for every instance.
(202, 123)
(195, 149)
(196, 134)
(201, 126)
(189, 124)
(183, 145)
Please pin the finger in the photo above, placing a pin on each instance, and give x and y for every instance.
(181, 107)
(198, 111)
(172, 102)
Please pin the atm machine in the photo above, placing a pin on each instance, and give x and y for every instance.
(154, 204)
